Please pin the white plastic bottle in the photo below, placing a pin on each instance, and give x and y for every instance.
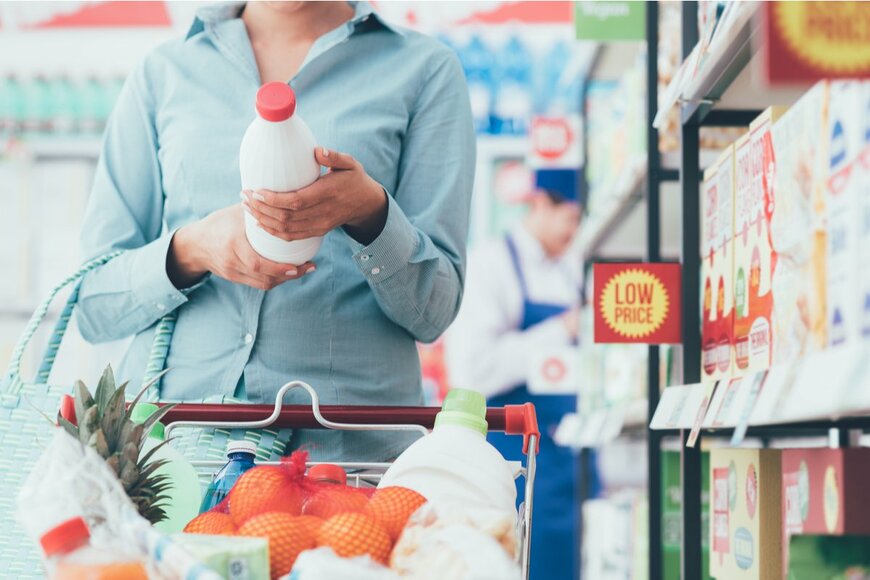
(277, 154)
(455, 463)
(185, 493)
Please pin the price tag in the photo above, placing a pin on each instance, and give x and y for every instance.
(756, 383)
(707, 393)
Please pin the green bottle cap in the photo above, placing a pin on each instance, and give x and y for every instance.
(463, 407)
(140, 414)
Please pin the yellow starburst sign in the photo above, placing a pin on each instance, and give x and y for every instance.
(807, 41)
(637, 303)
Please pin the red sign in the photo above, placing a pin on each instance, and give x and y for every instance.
(637, 303)
(809, 41)
(556, 141)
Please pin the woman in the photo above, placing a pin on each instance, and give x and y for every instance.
(391, 111)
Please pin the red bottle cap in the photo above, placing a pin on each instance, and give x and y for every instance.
(276, 102)
(328, 473)
(66, 537)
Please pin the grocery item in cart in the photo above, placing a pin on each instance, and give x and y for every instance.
(277, 154)
(183, 501)
(240, 458)
(69, 556)
(234, 558)
(455, 463)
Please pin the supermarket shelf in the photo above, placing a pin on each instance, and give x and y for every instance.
(785, 396)
(494, 146)
(50, 148)
(725, 79)
(602, 426)
(627, 191)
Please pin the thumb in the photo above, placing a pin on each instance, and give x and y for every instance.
(334, 159)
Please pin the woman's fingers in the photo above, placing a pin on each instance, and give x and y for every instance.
(334, 159)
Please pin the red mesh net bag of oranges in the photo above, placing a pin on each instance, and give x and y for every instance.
(297, 511)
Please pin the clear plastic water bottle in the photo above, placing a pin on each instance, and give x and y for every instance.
(513, 105)
(241, 455)
(478, 62)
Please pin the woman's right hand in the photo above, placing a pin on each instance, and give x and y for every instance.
(218, 244)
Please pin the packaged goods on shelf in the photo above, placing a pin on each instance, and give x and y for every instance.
(836, 557)
(842, 206)
(672, 514)
(754, 255)
(862, 178)
(824, 492)
(745, 516)
(717, 267)
(797, 229)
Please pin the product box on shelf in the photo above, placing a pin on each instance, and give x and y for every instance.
(843, 209)
(672, 514)
(717, 267)
(863, 179)
(754, 258)
(745, 514)
(824, 492)
(798, 232)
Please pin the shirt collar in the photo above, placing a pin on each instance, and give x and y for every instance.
(216, 13)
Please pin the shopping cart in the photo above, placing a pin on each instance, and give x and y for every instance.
(510, 419)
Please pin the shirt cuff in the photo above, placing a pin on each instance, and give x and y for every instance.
(392, 249)
(152, 287)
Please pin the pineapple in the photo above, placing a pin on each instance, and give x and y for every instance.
(104, 424)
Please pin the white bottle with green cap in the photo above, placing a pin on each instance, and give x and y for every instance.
(455, 463)
(185, 491)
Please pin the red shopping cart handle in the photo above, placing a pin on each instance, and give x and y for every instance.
(510, 419)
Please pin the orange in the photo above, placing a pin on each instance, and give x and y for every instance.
(212, 523)
(355, 534)
(392, 506)
(287, 537)
(333, 500)
(313, 523)
(264, 489)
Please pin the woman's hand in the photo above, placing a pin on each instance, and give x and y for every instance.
(345, 196)
(218, 244)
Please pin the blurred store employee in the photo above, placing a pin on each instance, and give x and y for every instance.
(390, 109)
(522, 297)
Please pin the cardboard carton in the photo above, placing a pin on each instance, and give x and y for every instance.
(797, 228)
(824, 492)
(745, 514)
(843, 209)
(710, 276)
(754, 256)
(725, 261)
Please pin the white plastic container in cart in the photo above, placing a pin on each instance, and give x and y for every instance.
(455, 463)
(277, 154)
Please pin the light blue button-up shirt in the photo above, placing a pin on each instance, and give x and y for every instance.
(395, 100)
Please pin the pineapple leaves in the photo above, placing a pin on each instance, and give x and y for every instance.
(67, 426)
(83, 400)
(114, 415)
(155, 417)
(105, 388)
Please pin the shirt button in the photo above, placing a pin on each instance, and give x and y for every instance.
(376, 271)
(160, 306)
(249, 338)
(365, 257)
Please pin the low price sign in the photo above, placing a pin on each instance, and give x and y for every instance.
(808, 41)
(637, 303)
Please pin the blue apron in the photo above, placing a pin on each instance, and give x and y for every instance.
(555, 542)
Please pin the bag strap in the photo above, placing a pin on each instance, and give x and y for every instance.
(13, 381)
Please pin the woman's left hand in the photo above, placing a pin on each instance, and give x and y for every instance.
(346, 196)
